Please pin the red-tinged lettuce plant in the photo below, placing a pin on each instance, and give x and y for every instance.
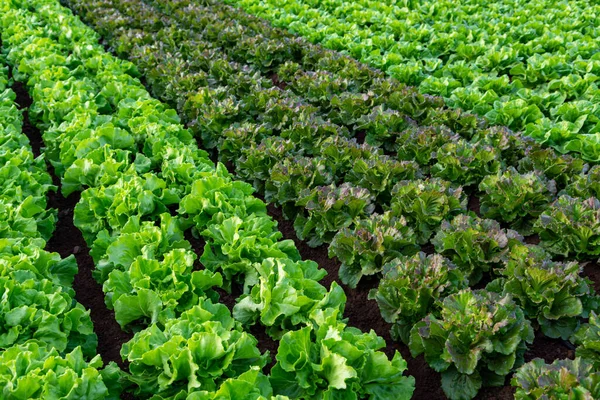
(585, 185)
(292, 175)
(342, 153)
(421, 144)
(475, 245)
(426, 203)
(561, 168)
(478, 338)
(465, 163)
(412, 287)
(513, 146)
(195, 352)
(372, 242)
(380, 173)
(551, 293)
(235, 139)
(571, 227)
(327, 209)
(563, 379)
(256, 161)
(587, 340)
(310, 136)
(383, 126)
(517, 199)
(327, 359)
(286, 293)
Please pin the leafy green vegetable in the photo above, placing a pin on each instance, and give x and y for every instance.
(158, 290)
(34, 371)
(465, 163)
(517, 199)
(372, 242)
(561, 379)
(553, 293)
(329, 209)
(234, 245)
(37, 308)
(571, 226)
(587, 340)
(475, 245)
(426, 203)
(327, 359)
(286, 294)
(197, 351)
(478, 339)
(412, 287)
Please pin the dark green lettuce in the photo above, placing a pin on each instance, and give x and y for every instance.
(372, 242)
(412, 287)
(477, 339)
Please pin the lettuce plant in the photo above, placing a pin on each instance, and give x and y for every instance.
(32, 308)
(412, 287)
(218, 193)
(327, 359)
(257, 160)
(478, 338)
(234, 245)
(475, 245)
(195, 352)
(563, 379)
(342, 153)
(113, 206)
(383, 126)
(562, 168)
(585, 185)
(465, 163)
(426, 203)
(587, 340)
(571, 227)
(285, 295)
(549, 292)
(158, 290)
(379, 174)
(515, 198)
(34, 371)
(329, 209)
(421, 144)
(111, 252)
(372, 242)
(292, 175)
(251, 385)
(27, 255)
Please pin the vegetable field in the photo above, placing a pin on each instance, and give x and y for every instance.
(247, 200)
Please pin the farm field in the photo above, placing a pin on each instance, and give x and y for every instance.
(202, 205)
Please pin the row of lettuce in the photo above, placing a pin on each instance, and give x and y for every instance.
(47, 340)
(144, 182)
(330, 185)
(531, 66)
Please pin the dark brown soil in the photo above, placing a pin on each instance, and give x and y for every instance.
(67, 240)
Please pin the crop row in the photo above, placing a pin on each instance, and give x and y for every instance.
(47, 341)
(528, 66)
(329, 185)
(145, 182)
